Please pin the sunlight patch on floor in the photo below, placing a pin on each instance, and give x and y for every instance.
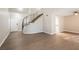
(69, 37)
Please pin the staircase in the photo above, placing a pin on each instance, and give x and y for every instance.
(30, 19)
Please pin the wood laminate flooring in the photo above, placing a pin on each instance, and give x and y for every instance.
(41, 41)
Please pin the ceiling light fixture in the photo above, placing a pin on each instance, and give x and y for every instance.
(76, 13)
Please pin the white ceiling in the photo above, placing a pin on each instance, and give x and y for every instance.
(63, 11)
(55, 11)
(24, 10)
(67, 11)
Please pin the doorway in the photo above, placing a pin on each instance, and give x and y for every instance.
(59, 24)
(16, 22)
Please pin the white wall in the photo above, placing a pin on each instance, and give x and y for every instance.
(48, 22)
(35, 27)
(71, 23)
(4, 24)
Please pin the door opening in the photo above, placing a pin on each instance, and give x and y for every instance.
(16, 20)
(57, 24)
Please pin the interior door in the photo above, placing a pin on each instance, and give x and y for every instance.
(16, 21)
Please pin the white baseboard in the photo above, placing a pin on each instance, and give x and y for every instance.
(71, 31)
(4, 38)
(31, 32)
(50, 33)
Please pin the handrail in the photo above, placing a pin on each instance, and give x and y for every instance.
(23, 22)
(32, 21)
(36, 18)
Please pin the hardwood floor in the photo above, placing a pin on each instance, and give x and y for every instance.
(41, 41)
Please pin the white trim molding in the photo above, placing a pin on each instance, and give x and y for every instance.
(50, 33)
(71, 31)
(31, 32)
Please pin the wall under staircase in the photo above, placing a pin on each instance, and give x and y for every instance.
(35, 27)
